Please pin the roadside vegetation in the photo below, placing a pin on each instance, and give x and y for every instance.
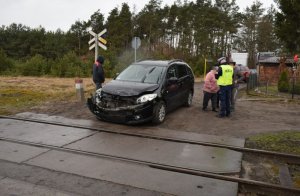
(285, 142)
(18, 94)
(272, 93)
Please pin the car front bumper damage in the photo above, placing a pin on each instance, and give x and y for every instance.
(132, 114)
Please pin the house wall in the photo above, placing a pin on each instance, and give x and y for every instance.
(271, 72)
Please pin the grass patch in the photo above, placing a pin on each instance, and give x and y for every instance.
(286, 141)
(271, 89)
(271, 92)
(17, 99)
(18, 94)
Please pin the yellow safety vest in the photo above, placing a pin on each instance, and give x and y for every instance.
(226, 78)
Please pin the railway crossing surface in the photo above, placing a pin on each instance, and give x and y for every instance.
(139, 158)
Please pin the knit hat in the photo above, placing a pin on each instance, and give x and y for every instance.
(100, 59)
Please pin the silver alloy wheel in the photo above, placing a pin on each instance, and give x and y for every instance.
(162, 113)
(190, 98)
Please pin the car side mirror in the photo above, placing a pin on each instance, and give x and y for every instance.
(172, 80)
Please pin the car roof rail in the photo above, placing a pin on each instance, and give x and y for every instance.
(175, 60)
(139, 60)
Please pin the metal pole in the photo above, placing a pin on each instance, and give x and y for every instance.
(135, 49)
(96, 47)
(293, 89)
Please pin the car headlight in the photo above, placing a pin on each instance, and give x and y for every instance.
(98, 91)
(98, 95)
(145, 98)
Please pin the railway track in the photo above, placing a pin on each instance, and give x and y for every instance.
(282, 190)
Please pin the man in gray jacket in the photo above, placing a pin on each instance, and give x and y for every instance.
(237, 78)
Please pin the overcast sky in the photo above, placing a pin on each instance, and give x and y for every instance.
(54, 14)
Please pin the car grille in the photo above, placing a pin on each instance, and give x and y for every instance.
(116, 101)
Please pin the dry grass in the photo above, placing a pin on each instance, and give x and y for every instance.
(20, 93)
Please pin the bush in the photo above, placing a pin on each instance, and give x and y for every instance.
(36, 66)
(5, 63)
(68, 66)
(283, 83)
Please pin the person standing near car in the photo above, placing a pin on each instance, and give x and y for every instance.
(218, 96)
(224, 77)
(237, 78)
(210, 89)
(98, 72)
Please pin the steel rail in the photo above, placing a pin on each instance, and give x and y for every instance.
(165, 167)
(172, 139)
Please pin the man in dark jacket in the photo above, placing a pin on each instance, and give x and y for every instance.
(98, 72)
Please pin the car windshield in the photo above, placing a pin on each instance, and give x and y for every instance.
(141, 73)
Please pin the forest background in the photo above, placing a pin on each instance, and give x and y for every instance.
(192, 31)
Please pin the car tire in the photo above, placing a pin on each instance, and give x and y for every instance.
(159, 113)
(189, 99)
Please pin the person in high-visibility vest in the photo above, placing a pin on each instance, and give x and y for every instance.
(224, 77)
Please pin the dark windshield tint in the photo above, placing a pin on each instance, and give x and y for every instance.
(141, 73)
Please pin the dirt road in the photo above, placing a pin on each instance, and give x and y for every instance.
(252, 116)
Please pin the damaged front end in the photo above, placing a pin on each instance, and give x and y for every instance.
(92, 102)
(119, 109)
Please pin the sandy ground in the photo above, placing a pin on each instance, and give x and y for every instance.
(252, 116)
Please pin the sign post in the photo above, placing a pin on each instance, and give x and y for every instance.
(79, 89)
(204, 69)
(99, 41)
(135, 44)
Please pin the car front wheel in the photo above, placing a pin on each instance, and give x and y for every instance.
(189, 99)
(159, 113)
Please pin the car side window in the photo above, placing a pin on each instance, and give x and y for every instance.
(189, 71)
(181, 71)
(171, 72)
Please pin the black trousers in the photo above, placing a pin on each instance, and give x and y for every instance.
(225, 95)
(209, 96)
(98, 85)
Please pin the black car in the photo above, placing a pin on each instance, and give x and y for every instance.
(144, 91)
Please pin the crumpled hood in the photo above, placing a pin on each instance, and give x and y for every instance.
(123, 88)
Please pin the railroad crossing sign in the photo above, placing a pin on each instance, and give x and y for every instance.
(99, 41)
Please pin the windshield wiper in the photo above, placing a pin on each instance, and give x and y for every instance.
(149, 72)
